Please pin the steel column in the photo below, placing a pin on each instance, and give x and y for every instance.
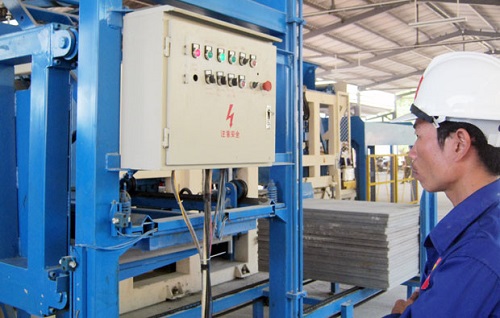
(285, 249)
(48, 203)
(95, 283)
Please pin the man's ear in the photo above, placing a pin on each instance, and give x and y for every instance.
(462, 141)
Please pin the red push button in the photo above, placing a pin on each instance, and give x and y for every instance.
(267, 86)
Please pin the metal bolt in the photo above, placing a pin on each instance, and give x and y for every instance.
(72, 264)
(115, 220)
(63, 42)
(52, 275)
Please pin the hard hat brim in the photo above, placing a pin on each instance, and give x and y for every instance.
(404, 118)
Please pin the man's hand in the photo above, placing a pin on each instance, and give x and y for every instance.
(401, 304)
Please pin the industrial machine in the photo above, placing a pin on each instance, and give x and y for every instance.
(105, 109)
(110, 94)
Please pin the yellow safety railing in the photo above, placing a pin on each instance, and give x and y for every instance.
(391, 173)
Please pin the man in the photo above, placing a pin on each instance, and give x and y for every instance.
(457, 124)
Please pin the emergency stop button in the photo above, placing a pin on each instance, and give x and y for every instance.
(267, 86)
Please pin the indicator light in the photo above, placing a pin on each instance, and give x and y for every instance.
(195, 50)
(232, 57)
(209, 54)
(253, 60)
(221, 56)
(241, 81)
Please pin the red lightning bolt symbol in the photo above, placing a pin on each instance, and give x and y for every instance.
(230, 115)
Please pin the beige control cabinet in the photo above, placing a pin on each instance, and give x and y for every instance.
(196, 92)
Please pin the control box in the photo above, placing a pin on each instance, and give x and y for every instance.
(196, 92)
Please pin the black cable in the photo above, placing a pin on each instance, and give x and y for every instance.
(305, 107)
(205, 265)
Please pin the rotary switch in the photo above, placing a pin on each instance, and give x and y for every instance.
(209, 77)
(232, 80)
(221, 79)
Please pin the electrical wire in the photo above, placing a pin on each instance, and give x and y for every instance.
(120, 246)
(184, 215)
(206, 300)
(219, 210)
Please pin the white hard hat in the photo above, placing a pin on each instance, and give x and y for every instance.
(460, 87)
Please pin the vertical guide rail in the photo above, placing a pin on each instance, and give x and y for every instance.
(95, 281)
(285, 244)
(8, 195)
(49, 165)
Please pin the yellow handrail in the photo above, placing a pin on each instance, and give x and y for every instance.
(378, 166)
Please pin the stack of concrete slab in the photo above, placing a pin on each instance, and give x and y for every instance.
(368, 244)
(263, 244)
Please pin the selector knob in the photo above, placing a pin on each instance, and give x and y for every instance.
(221, 79)
(243, 59)
(232, 80)
(254, 84)
(209, 77)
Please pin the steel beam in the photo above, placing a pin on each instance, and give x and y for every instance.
(246, 10)
(341, 303)
(48, 40)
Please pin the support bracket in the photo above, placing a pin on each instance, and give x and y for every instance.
(68, 263)
(115, 17)
(296, 295)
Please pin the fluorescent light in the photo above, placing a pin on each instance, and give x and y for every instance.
(432, 22)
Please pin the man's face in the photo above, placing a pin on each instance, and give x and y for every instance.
(431, 165)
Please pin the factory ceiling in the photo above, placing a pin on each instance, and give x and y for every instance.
(386, 45)
(377, 44)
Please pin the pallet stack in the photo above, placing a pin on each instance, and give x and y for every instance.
(367, 244)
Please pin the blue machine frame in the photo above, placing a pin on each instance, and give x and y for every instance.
(58, 253)
(45, 269)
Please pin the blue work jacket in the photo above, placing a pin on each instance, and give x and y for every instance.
(466, 280)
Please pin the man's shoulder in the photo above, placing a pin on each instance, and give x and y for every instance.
(483, 250)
